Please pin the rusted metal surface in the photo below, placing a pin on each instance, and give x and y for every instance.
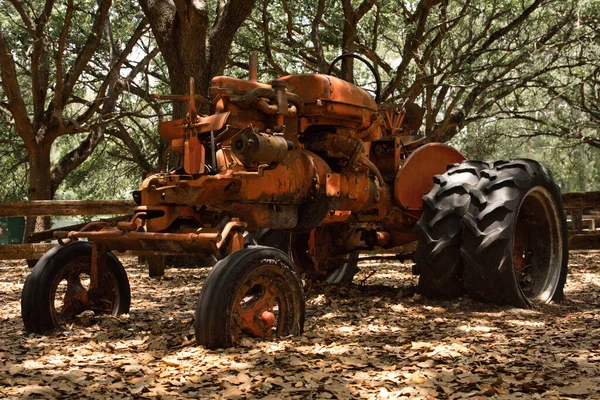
(71, 294)
(309, 154)
(414, 178)
(254, 305)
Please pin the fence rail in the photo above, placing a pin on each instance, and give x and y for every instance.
(583, 210)
(33, 249)
(65, 207)
(581, 200)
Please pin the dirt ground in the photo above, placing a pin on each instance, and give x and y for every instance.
(374, 339)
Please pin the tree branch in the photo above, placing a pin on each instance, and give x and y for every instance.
(17, 106)
(136, 154)
(40, 68)
(74, 158)
(113, 76)
(86, 53)
(59, 57)
(18, 5)
(221, 36)
(267, 50)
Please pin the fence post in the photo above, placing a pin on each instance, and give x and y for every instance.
(577, 217)
(156, 265)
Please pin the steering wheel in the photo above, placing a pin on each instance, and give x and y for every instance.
(367, 63)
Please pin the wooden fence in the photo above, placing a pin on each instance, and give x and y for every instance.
(34, 249)
(583, 211)
(583, 216)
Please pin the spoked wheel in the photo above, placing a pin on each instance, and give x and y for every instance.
(256, 292)
(515, 245)
(343, 274)
(57, 290)
(440, 230)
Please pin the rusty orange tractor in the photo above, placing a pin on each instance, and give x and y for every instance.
(293, 179)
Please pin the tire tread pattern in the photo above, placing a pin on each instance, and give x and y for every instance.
(439, 230)
(489, 228)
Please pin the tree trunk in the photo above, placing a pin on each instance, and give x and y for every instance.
(348, 47)
(40, 185)
(351, 19)
(348, 36)
(189, 47)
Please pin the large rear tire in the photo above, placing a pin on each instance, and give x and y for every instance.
(440, 230)
(515, 243)
(56, 291)
(254, 291)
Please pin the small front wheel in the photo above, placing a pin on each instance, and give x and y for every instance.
(57, 290)
(254, 291)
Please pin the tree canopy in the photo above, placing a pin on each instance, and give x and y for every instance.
(498, 78)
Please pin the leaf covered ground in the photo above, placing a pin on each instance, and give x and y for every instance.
(376, 338)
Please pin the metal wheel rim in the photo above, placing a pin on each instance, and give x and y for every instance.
(262, 292)
(538, 246)
(72, 273)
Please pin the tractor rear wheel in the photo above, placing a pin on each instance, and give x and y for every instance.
(515, 245)
(254, 291)
(440, 230)
(57, 289)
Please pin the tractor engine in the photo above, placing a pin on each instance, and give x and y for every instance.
(308, 154)
(281, 158)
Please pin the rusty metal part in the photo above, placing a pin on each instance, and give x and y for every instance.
(334, 145)
(383, 238)
(193, 112)
(178, 97)
(132, 224)
(323, 249)
(258, 308)
(260, 148)
(367, 63)
(402, 118)
(415, 177)
(208, 239)
(273, 109)
(281, 96)
(313, 88)
(372, 168)
(176, 129)
(372, 132)
(194, 156)
(248, 99)
(70, 295)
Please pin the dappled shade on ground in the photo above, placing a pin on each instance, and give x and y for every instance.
(376, 338)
